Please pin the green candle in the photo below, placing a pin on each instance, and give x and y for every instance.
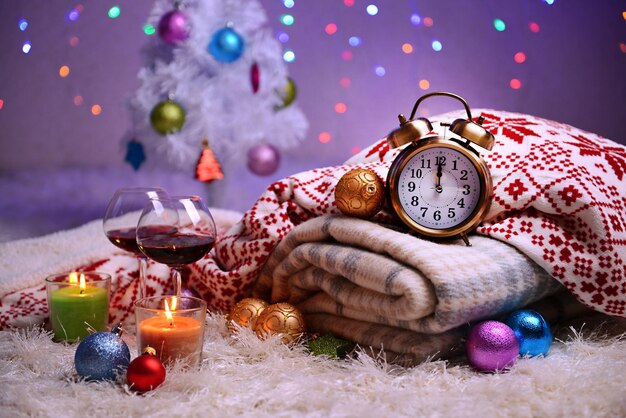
(76, 310)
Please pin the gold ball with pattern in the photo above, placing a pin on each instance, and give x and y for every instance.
(281, 319)
(360, 193)
(245, 313)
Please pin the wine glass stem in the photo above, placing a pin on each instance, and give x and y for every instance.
(178, 281)
(143, 268)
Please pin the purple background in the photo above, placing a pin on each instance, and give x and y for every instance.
(575, 72)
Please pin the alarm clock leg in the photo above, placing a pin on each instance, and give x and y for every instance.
(465, 239)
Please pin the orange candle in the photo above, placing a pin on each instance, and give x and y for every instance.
(173, 334)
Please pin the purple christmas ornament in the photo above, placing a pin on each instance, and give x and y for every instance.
(491, 346)
(263, 159)
(174, 27)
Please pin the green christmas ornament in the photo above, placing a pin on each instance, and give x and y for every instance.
(331, 346)
(167, 117)
(288, 94)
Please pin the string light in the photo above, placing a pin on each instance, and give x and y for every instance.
(549, 2)
(78, 100)
(22, 24)
(283, 37)
(74, 41)
(515, 84)
(354, 41)
(148, 29)
(289, 56)
(428, 22)
(622, 47)
(407, 48)
(372, 10)
(96, 110)
(324, 137)
(346, 55)
(624, 15)
(416, 19)
(345, 82)
(519, 57)
(64, 71)
(330, 29)
(73, 15)
(348, 3)
(437, 46)
(424, 84)
(355, 150)
(499, 25)
(26, 46)
(1, 104)
(534, 27)
(114, 12)
(287, 19)
(380, 70)
(341, 107)
(289, 3)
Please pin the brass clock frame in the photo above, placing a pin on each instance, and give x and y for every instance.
(484, 199)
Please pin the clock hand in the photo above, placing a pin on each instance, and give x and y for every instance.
(438, 187)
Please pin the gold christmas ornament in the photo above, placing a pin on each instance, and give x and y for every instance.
(245, 313)
(281, 318)
(360, 193)
(167, 117)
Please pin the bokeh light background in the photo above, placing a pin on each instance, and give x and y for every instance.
(67, 68)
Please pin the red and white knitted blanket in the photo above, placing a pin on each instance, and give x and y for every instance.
(559, 198)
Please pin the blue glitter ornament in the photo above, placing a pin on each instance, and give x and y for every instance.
(135, 155)
(226, 45)
(102, 356)
(532, 332)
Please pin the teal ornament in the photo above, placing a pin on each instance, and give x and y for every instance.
(330, 346)
(532, 332)
(135, 155)
(102, 356)
(226, 45)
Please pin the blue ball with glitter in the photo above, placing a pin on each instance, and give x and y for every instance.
(532, 332)
(226, 45)
(102, 356)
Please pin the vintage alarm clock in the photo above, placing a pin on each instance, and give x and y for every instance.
(440, 187)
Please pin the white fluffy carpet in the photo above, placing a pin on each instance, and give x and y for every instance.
(583, 375)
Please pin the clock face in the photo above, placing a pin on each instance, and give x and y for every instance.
(439, 188)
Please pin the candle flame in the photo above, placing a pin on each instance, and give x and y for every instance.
(168, 313)
(73, 278)
(82, 285)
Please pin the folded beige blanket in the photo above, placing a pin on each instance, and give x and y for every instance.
(387, 289)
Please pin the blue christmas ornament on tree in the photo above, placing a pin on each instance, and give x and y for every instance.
(532, 332)
(102, 355)
(135, 155)
(226, 45)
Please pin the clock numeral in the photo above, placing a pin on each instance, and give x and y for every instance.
(454, 164)
(424, 210)
(461, 203)
(416, 173)
(466, 189)
(440, 160)
(463, 174)
(411, 186)
(414, 201)
(426, 163)
(437, 215)
(451, 213)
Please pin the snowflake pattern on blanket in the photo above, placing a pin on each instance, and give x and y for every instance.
(559, 197)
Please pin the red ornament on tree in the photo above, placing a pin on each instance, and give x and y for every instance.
(208, 168)
(255, 77)
(146, 372)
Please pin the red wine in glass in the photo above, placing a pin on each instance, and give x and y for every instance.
(120, 222)
(191, 235)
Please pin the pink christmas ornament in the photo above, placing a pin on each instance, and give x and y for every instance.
(491, 346)
(263, 159)
(174, 27)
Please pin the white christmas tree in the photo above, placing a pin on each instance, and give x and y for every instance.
(215, 73)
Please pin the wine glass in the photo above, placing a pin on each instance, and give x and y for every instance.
(120, 222)
(176, 231)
